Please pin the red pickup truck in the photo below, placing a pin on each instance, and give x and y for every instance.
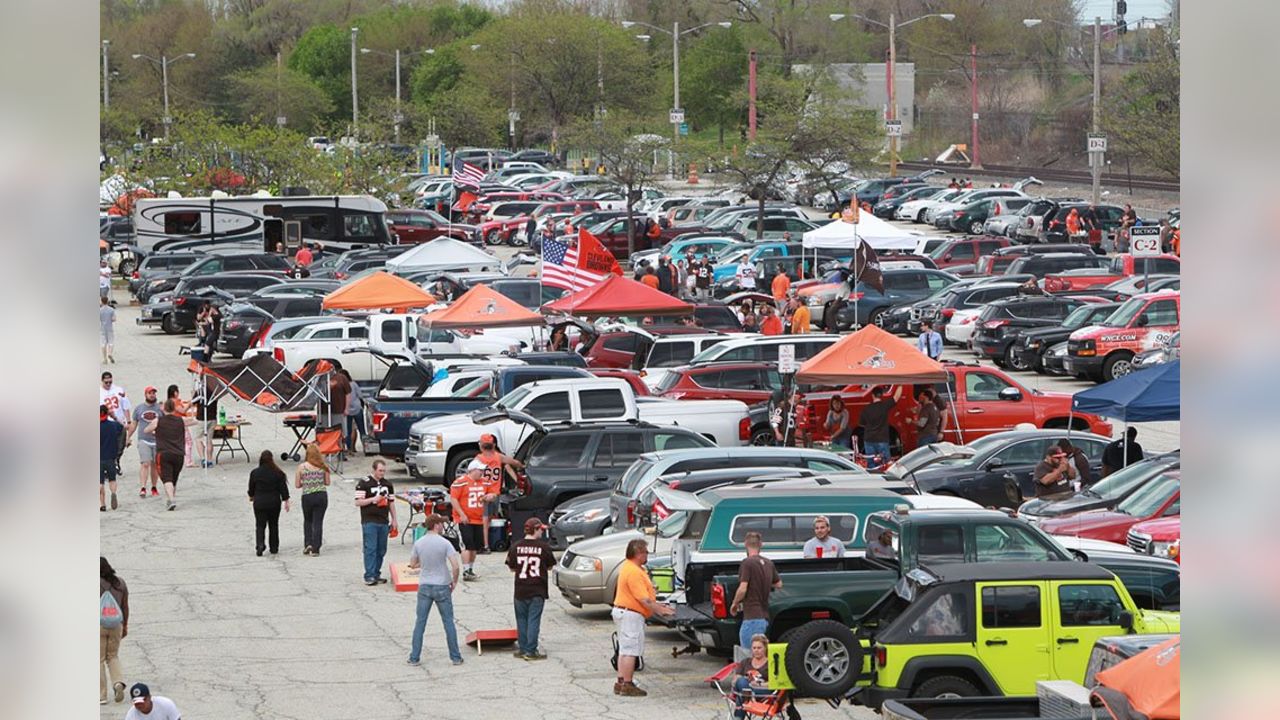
(614, 236)
(1122, 266)
(986, 401)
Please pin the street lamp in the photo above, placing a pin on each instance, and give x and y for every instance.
(892, 25)
(1096, 157)
(355, 97)
(397, 55)
(675, 32)
(164, 62)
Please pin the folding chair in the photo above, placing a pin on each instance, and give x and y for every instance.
(329, 440)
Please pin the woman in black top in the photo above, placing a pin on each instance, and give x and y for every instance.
(268, 487)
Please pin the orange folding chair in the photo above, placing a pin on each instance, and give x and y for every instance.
(329, 440)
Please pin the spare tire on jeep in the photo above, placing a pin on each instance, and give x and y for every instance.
(823, 659)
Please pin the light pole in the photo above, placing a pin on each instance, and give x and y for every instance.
(164, 62)
(675, 32)
(397, 55)
(106, 77)
(892, 112)
(355, 96)
(1096, 157)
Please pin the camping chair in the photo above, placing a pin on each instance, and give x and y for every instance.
(329, 440)
(762, 707)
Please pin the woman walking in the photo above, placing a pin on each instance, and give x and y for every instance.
(268, 487)
(312, 478)
(111, 630)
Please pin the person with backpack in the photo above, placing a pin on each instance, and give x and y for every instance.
(113, 612)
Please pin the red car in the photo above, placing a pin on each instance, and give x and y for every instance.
(1162, 538)
(1157, 499)
(633, 377)
(750, 383)
(419, 226)
(1122, 266)
(966, 251)
(986, 401)
(617, 348)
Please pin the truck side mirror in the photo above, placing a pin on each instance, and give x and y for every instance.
(1011, 394)
(1142, 321)
(1126, 620)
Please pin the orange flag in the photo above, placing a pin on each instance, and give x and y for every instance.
(465, 199)
(593, 257)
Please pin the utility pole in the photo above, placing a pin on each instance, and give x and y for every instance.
(511, 110)
(398, 115)
(355, 96)
(675, 70)
(976, 163)
(893, 96)
(751, 96)
(106, 77)
(279, 110)
(1096, 158)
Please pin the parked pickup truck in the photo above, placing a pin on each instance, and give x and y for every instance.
(843, 589)
(1121, 266)
(440, 447)
(389, 415)
(1105, 351)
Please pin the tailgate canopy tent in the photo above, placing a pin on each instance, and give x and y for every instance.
(1146, 686)
(481, 307)
(444, 254)
(877, 233)
(617, 295)
(870, 356)
(1142, 396)
(377, 291)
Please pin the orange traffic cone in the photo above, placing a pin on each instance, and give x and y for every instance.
(693, 173)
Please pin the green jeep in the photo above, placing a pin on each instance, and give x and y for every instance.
(963, 630)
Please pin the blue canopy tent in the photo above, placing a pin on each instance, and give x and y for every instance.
(1142, 396)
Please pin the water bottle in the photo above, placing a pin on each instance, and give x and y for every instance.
(222, 416)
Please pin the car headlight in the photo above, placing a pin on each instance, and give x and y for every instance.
(1060, 352)
(587, 564)
(1169, 550)
(814, 301)
(584, 515)
(433, 442)
(1033, 344)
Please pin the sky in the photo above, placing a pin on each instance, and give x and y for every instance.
(1137, 9)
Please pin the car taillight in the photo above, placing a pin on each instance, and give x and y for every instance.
(882, 655)
(631, 512)
(179, 301)
(260, 337)
(718, 607)
(958, 215)
(339, 275)
(948, 312)
(856, 296)
(378, 421)
(1030, 222)
(135, 275)
(744, 429)
(278, 354)
(523, 486)
(232, 325)
(660, 511)
(993, 324)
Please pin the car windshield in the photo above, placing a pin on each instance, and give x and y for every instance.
(474, 389)
(1077, 317)
(1145, 502)
(513, 398)
(1121, 482)
(1125, 313)
(667, 382)
(710, 353)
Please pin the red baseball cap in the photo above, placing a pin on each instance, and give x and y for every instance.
(149, 388)
(488, 437)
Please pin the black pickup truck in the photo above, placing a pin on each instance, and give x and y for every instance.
(842, 589)
(402, 399)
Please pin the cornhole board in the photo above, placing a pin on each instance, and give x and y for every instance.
(493, 637)
(404, 578)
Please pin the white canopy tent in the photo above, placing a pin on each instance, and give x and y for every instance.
(444, 254)
(877, 233)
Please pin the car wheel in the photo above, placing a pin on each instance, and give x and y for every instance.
(762, 436)
(1118, 365)
(920, 216)
(127, 266)
(457, 467)
(945, 686)
(1013, 359)
(492, 238)
(518, 239)
(170, 325)
(876, 318)
(975, 228)
(823, 659)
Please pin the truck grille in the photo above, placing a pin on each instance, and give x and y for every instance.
(554, 517)
(415, 444)
(1139, 542)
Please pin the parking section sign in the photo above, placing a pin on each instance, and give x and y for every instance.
(1144, 240)
(786, 359)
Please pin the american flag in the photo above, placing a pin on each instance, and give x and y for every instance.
(467, 175)
(560, 267)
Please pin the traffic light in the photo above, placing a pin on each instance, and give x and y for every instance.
(1122, 7)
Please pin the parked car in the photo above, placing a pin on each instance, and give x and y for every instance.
(998, 261)
(751, 383)
(998, 324)
(1100, 221)
(965, 250)
(867, 305)
(1159, 498)
(615, 346)
(1005, 214)
(1030, 229)
(1030, 344)
(212, 263)
(244, 323)
(1105, 351)
(939, 311)
(1161, 538)
(419, 226)
(887, 206)
(158, 265)
(177, 314)
(1104, 494)
(1044, 264)
(1119, 267)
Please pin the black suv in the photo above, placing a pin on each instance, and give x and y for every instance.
(192, 292)
(242, 322)
(1000, 321)
(159, 265)
(214, 263)
(940, 311)
(1102, 217)
(1031, 344)
(1050, 263)
(564, 461)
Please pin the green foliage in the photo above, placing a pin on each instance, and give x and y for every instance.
(711, 71)
(1142, 113)
(324, 55)
(266, 92)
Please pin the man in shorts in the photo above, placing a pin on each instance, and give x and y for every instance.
(117, 402)
(469, 494)
(109, 434)
(495, 463)
(634, 602)
(143, 415)
(170, 432)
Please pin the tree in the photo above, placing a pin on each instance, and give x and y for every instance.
(1142, 113)
(324, 55)
(267, 92)
(822, 133)
(713, 69)
(628, 158)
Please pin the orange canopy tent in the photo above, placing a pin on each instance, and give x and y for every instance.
(617, 295)
(378, 291)
(482, 307)
(870, 356)
(1144, 687)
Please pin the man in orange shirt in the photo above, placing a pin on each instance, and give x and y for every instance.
(468, 495)
(781, 284)
(770, 323)
(634, 602)
(650, 278)
(800, 318)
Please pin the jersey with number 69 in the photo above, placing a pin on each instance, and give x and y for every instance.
(470, 496)
(531, 560)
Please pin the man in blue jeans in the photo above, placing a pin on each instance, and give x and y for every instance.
(531, 560)
(439, 565)
(375, 497)
(874, 421)
(757, 577)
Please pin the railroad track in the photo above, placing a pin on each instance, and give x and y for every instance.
(1079, 177)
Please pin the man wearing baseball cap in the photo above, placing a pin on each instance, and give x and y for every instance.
(149, 707)
(468, 495)
(531, 560)
(494, 462)
(1054, 474)
(143, 415)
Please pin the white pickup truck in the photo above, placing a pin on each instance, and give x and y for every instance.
(393, 334)
(440, 447)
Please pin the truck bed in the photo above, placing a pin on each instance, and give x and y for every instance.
(980, 708)
(393, 439)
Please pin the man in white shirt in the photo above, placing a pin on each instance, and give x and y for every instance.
(148, 707)
(822, 545)
(113, 396)
(746, 275)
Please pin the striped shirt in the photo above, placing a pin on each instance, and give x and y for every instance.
(312, 479)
